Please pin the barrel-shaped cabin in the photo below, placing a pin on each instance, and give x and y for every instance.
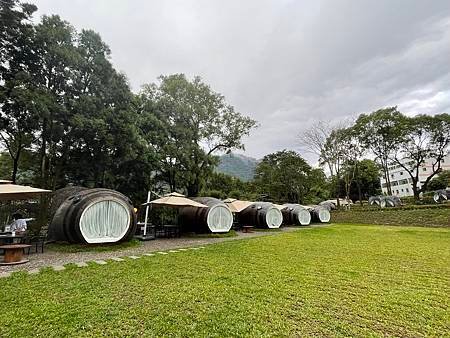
(261, 215)
(319, 214)
(217, 218)
(91, 216)
(295, 214)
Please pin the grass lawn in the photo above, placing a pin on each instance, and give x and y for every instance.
(435, 216)
(342, 280)
(72, 248)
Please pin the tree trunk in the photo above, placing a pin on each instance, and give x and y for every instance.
(15, 168)
(358, 184)
(44, 154)
(386, 175)
(192, 190)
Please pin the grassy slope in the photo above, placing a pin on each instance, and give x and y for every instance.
(432, 217)
(341, 280)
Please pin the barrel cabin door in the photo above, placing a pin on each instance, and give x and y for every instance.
(104, 221)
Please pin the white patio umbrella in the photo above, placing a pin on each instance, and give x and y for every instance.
(172, 200)
(175, 200)
(10, 191)
(237, 205)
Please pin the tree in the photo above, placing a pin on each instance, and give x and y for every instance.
(422, 138)
(346, 151)
(318, 188)
(379, 132)
(56, 65)
(283, 177)
(441, 181)
(17, 94)
(366, 180)
(100, 132)
(329, 143)
(314, 140)
(195, 124)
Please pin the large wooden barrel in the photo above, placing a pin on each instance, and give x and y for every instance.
(295, 214)
(319, 214)
(261, 215)
(92, 216)
(217, 218)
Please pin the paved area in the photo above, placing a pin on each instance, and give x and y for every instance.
(163, 246)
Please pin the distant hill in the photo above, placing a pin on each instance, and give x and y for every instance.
(237, 165)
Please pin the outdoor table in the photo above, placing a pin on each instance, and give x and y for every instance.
(9, 238)
(171, 230)
(14, 254)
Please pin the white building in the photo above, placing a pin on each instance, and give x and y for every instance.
(401, 182)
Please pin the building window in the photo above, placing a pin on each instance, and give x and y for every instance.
(392, 175)
(424, 169)
(407, 190)
(402, 190)
(397, 192)
(401, 172)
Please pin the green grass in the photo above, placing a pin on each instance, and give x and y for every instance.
(342, 280)
(73, 248)
(433, 216)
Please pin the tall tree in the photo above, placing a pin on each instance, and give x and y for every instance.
(329, 143)
(379, 133)
(17, 94)
(57, 57)
(283, 177)
(422, 138)
(197, 123)
(366, 181)
(100, 132)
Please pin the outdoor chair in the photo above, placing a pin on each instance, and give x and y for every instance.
(37, 242)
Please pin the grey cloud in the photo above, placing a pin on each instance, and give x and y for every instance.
(285, 63)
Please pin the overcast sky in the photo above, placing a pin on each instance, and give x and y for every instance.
(285, 63)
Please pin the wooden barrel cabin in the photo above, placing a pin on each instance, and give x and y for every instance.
(261, 215)
(319, 214)
(91, 216)
(295, 214)
(217, 218)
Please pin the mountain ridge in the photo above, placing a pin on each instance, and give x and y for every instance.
(237, 165)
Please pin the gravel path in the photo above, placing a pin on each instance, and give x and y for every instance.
(53, 258)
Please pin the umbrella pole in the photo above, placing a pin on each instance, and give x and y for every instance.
(146, 213)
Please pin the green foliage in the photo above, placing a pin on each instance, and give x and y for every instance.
(366, 181)
(417, 215)
(285, 176)
(379, 132)
(441, 181)
(390, 281)
(63, 104)
(190, 115)
(394, 137)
